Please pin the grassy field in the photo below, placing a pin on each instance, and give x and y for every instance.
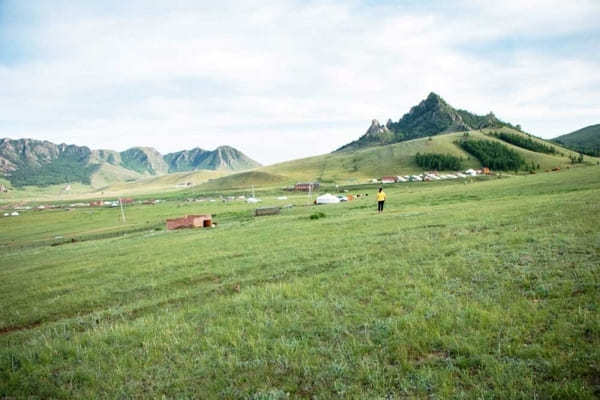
(150, 185)
(488, 289)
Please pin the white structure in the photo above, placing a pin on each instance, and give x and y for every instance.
(282, 198)
(252, 200)
(327, 198)
(471, 172)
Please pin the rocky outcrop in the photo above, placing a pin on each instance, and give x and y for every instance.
(431, 116)
(376, 129)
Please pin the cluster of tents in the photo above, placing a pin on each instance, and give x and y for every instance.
(431, 176)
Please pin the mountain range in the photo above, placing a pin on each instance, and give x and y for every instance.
(432, 116)
(34, 162)
(432, 126)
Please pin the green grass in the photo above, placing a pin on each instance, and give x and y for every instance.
(105, 185)
(488, 289)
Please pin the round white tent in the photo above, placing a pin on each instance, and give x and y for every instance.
(327, 199)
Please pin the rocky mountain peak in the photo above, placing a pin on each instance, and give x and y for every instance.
(432, 116)
(376, 129)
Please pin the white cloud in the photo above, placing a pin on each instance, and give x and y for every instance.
(290, 79)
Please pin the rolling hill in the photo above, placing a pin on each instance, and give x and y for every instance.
(585, 140)
(432, 116)
(345, 167)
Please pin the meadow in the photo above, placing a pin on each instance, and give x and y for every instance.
(476, 289)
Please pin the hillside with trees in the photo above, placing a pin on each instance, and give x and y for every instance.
(493, 155)
(525, 142)
(438, 162)
(585, 140)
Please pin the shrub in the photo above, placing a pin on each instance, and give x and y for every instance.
(317, 215)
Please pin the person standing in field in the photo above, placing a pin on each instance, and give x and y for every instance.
(380, 200)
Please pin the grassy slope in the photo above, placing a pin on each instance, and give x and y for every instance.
(108, 174)
(488, 289)
(164, 182)
(245, 180)
(585, 138)
(151, 185)
(395, 159)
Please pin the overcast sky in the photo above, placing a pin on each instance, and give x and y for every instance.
(287, 79)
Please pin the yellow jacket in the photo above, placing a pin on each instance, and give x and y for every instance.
(381, 196)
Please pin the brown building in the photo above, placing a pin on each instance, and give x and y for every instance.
(190, 221)
(306, 186)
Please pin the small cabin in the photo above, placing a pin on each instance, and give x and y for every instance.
(190, 221)
(306, 186)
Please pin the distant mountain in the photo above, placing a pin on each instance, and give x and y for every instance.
(585, 140)
(40, 163)
(222, 158)
(35, 162)
(144, 160)
(430, 117)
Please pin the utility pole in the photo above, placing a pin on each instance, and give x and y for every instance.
(122, 211)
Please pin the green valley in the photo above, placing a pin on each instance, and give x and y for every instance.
(459, 290)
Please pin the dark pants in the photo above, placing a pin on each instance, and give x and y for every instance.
(380, 206)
